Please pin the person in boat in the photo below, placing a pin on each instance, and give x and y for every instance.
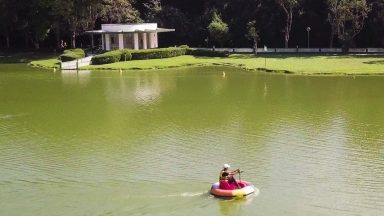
(227, 179)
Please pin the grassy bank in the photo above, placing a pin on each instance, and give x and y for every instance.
(37, 59)
(46, 63)
(305, 64)
(285, 63)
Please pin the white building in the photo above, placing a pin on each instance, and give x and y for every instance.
(128, 36)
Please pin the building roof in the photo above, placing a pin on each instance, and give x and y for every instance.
(129, 28)
(158, 30)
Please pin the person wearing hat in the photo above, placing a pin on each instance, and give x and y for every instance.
(227, 179)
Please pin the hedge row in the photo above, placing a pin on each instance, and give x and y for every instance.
(127, 55)
(72, 54)
(107, 58)
(208, 53)
(157, 53)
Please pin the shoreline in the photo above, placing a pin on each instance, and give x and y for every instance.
(343, 65)
(259, 70)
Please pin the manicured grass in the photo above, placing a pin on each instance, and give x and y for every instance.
(298, 64)
(46, 63)
(35, 59)
(285, 63)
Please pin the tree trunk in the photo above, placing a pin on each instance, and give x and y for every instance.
(58, 35)
(331, 37)
(286, 41)
(288, 25)
(255, 46)
(36, 42)
(7, 40)
(36, 45)
(73, 39)
(26, 40)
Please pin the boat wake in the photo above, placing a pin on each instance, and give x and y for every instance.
(186, 194)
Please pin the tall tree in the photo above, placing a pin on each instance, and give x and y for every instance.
(8, 19)
(119, 11)
(218, 29)
(253, 34)
(288, 7)
(77, 16)
(36, 25)
(375, 23)
(347, 19)
(153, 10)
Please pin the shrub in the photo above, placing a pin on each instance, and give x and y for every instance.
(208, 53)
(77, 51)
(69, 57)
(126, 55)
(184, 46)
(107, 58)
(157, 53)
(72, 54)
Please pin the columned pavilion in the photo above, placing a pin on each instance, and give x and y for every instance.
(128, 36)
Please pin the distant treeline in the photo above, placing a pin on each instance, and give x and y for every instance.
(35, 24)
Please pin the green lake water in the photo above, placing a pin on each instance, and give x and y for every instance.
(152, 142)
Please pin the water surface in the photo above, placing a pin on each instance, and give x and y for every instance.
(152, 142)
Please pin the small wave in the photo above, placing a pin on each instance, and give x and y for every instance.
(192, 194)
(185, 194)
(9, 116)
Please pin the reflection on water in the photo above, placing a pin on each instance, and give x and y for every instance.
(231, 207)
(152, 142)
(75, 77)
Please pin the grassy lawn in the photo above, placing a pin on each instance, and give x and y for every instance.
(284, 63)
(46, 63)
(35, 59)
(305, 64)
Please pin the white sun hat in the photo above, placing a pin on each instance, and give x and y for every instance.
(226, 166)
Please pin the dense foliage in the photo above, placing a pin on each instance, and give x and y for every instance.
(157, 53)
(200, 23)
(108, 57)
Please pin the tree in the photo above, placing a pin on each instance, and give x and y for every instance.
(77, 16)
(8, 18)
(35, 29)
(347, 19)
(288, 7)
(375, 22)
(153, 9)
(119, 11)
(253, 34)
(218, 29)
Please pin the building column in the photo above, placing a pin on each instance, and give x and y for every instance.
(135, 41)
(155, 40)
(103, 41)
(151, 39)
(107, 42)
(144, 38)
(121, 42)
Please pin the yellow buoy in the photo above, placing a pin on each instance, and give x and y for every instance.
(223, 74)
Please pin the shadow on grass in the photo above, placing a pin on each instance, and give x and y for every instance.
(373, 56)
(374, 62)
(23, 57)
(279, 55)
(306, 56)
